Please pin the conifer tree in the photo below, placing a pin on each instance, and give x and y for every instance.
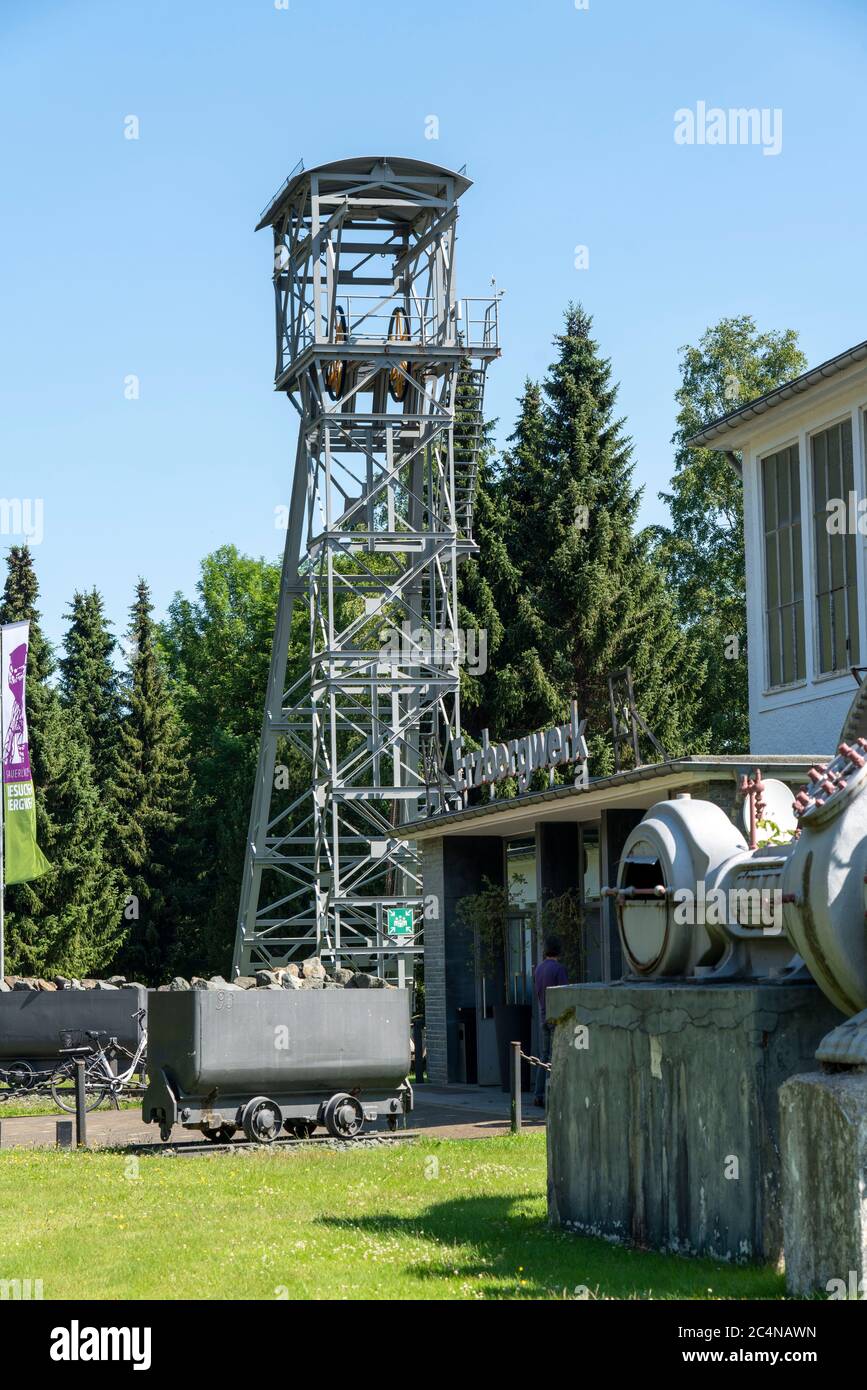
(66, 921)
(89, 681)
(587, 598)
(148, 799)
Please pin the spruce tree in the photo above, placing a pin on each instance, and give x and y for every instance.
(149, 793)
(89, 681)
(588, 599)
(65, 921)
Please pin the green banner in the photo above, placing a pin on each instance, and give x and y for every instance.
(22, 857)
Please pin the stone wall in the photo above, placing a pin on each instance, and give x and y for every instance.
(663, 1118)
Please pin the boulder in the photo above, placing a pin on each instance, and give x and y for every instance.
(282, 970)
(179, 983)
(291, 981)
(25, 984)
(89, 984)
(46, 985)
(133, 984)
(4, 988)
(264, 978)
(362, 980)
(313, 969)
(245, 981)
(116, 980)
(342, 976)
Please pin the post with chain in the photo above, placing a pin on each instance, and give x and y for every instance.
(80, 1108)
(516, 1087)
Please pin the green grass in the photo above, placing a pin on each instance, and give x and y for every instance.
(432, 1220)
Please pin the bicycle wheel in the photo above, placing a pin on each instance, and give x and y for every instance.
(63, 1089)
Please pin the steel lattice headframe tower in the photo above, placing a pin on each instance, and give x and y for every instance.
(386, 368)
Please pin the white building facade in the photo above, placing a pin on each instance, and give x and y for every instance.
(802, 457)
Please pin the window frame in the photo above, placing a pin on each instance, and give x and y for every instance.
(791, 446)
(838, 422)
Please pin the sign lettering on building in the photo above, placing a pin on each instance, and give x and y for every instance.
(521, 757)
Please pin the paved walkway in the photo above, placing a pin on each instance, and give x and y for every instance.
(446, 1112)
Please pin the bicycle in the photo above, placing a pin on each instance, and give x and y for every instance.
(100, 1080)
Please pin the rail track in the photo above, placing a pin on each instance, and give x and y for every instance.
(284, 1143)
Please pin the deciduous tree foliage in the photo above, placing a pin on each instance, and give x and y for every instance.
(218, 648)
(702, 552)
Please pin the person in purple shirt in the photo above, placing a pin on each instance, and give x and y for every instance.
(548, 972)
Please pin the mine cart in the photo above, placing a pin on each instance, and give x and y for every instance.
(269, 1060)
(37, 1025)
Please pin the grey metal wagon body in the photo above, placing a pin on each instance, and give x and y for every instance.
(35, 1025)
(212, 1053)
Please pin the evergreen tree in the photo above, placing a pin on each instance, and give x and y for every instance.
(89, 681)
(482, 572)
(149, 794)
(66, 921)
(702, 551)
(584, 597)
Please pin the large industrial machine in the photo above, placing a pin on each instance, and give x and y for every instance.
(385, 367)
(695, 900)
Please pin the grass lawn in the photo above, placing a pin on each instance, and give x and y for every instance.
(12, 1105)
(444, 1219)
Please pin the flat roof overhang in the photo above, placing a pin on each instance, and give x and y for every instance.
(636, 788)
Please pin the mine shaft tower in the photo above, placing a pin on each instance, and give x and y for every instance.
(386, 368)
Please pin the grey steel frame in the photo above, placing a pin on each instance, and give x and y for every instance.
(382, 503)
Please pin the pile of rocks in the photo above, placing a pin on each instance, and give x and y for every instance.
(310, 974)
(35, 982)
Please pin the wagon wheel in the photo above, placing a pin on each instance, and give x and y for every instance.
(335, 372)
(261, 1120)
(344, 1116)
(398, 332)
(19, 1076)
(219, 1134)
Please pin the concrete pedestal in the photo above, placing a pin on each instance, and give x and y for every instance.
(823, 1134)
(663, 1110)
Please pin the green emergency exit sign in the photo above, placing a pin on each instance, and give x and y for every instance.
(399, 921)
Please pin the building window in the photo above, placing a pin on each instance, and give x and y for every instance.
(521, 886)
(836, 585)
(784, 579)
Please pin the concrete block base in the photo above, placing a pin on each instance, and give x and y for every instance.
(823, 1133)
(663, 1110)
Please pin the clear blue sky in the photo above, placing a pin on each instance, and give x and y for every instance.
(123, 257)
